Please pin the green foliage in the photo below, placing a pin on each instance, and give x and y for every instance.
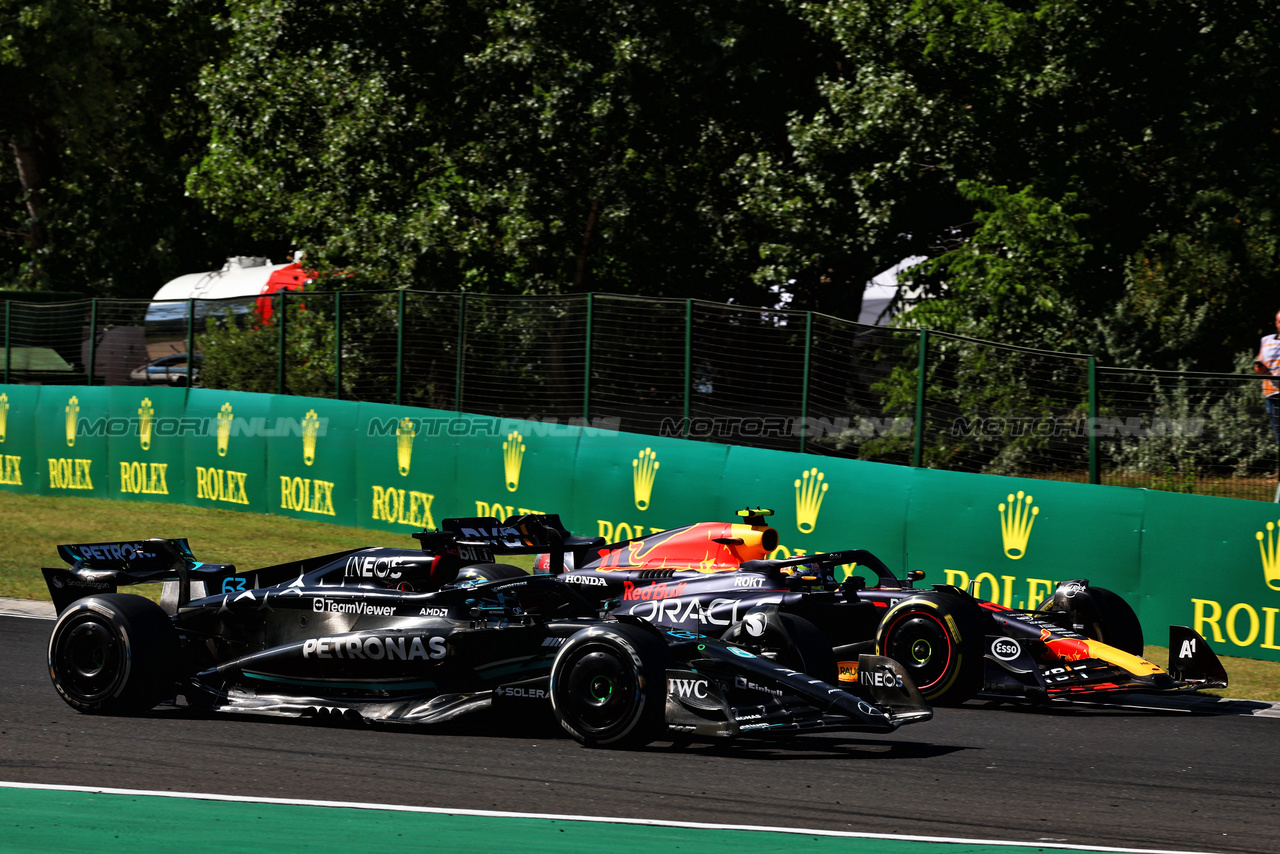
(243, 353)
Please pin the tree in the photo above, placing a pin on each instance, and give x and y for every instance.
(507, 145)
(103, 124)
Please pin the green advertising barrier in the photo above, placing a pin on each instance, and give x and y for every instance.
(71, 441)
(226, 456)
(1015, 538)
(146, 448)
(311, 453)
(630, 485)
(1211, 563)
(821, 503)
(18, 437)
(405, 468)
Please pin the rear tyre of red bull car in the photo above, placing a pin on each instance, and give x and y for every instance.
(939, 641)
(609, 686)
(113, 654)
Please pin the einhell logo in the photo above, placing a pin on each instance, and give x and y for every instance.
(4, 415)
(1270, 556)
(1016, 519)
(404, 444)
(810, 490)
(512, 457)
(73, 410)
(224, 428)
(310, 427)
(146, 414)
(644, 469)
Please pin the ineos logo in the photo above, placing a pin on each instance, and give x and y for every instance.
(1005, 649)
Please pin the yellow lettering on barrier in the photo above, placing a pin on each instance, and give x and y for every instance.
(144, 478)
(68, 473)
(1231, 624)
(11, 472)
(215, 484)
(1034, 594)
(1201, 620)
(304, 495)
(403, 506)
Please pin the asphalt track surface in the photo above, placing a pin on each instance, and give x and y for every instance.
(1115, 777)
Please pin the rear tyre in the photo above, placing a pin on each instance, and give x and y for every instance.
(490, 572)
(609, 686)
(113, 654)
(788, 640)
(939, 642)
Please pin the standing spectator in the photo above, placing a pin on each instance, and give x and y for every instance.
(1268, 362)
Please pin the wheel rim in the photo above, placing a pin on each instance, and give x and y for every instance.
(602, 689)
(88, 660)
(921, 644)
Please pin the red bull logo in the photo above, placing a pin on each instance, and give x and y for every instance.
(661, 590)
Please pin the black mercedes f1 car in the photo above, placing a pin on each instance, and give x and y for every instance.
(1082, 642)
(404, 636)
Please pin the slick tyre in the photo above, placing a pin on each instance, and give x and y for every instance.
(788, 640)
(113, 654)
(490, 572)
(939, 642)
(609, 686)
(1101, 614)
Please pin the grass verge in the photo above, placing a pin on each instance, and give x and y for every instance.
(34, 525)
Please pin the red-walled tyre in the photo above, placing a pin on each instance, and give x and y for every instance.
(939, 642)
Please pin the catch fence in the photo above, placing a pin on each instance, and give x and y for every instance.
(784, 380)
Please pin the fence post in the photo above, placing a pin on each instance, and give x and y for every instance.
(93, 336)
(191, 341)
(688, 362)
(280, 370)
(8, 338)
(1093, 420)
(917, 453)
(804, 381)
(586, 372)
(337, 345)
(462, 340)
(400, 349)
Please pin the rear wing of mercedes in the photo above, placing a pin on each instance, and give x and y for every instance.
(95, 568)
(477, 539)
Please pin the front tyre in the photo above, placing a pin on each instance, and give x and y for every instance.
(609, 686)
(113, 654)
(940, 645)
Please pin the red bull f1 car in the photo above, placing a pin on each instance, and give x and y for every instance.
(413, 636)
(1082, 642)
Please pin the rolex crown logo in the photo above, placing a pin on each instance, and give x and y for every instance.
(810, 490)
(1270, 556)
(310, 427)
(146, 414)
(1016, 519)
(224, 428)
(512, 457)
(73, 410)
(4, 415)
(644, 469)
(404, 444)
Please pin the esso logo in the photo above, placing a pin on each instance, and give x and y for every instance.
(1005, 649)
